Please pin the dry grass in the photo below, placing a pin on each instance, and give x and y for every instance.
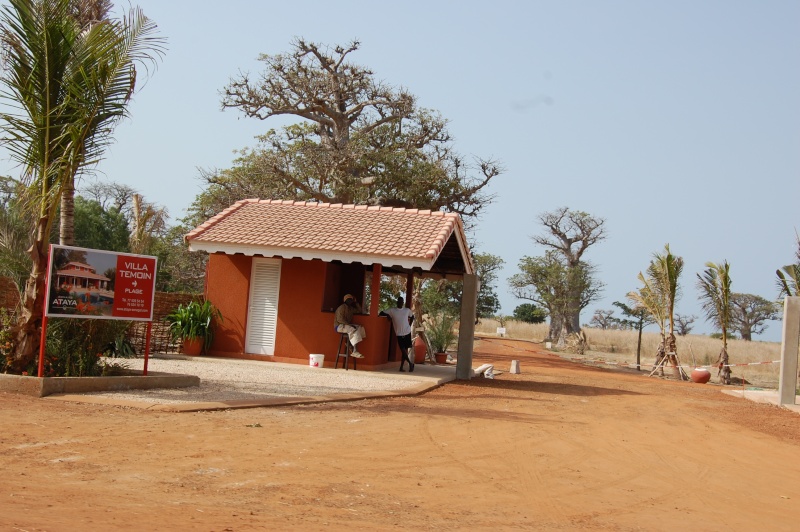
(619, 347)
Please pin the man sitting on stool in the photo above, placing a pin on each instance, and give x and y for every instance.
(343, 321)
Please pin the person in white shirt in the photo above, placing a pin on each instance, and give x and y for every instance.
(402, 318)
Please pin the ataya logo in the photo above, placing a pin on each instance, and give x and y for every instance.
(64, 302)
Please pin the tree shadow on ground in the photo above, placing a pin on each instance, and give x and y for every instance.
(556, 388)
(435, 407)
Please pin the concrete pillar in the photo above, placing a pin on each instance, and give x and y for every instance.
(466, 329)
(787, 388)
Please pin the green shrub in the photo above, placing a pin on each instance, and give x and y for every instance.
(439, 330)
(193, 320)
(530, 313)
(74, 347)
(120, 347)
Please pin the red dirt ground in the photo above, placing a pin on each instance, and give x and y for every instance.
(559, 446)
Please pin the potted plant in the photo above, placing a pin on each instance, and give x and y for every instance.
(192, 325)
(439, 331)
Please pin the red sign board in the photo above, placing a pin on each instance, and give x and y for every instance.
(90, 283)
(134, 287)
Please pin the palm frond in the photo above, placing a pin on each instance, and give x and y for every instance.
(789, 280)
(651, 298)
(666, 269)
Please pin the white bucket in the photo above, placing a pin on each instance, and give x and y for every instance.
(316, 361)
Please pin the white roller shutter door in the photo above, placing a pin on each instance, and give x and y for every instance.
(262, 315)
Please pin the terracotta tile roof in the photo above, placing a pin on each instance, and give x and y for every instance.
(351, 233)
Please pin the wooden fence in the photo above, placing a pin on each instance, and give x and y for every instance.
(160, 339)
(9, 297)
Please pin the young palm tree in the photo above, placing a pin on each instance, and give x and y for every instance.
(649, 298)
(68, 85)
(667, 269)
(658, 295)
(715, 293)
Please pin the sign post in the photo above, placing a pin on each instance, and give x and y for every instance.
(95, 284)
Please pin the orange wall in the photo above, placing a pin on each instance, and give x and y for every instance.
(228, 288)
(302, 328)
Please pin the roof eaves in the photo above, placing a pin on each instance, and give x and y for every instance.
(464, 246)
(387, 260)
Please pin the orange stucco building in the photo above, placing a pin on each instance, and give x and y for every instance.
(277, 270)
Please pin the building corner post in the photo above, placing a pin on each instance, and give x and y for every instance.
(466, 328)
(790, 342)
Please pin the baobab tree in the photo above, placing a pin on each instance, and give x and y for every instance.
(570, 233)
(357, 140)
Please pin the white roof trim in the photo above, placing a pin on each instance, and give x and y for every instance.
(310, 254)
(463, 248)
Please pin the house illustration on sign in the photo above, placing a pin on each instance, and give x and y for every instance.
(81, 276)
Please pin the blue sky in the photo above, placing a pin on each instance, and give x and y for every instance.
(676, 121)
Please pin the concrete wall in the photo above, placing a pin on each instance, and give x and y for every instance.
(45, 386)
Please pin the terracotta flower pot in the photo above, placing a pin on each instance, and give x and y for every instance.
(192, 346)
(419, 350)
(700, 375)
(441, 358)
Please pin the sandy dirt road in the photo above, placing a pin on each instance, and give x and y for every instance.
(560, 446)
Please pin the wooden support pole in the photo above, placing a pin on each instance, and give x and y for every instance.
(147, 346)
(375, 290)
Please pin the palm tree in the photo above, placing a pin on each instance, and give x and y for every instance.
(667, 269)
(659, 292)
(650, 297)
(86, 13)
(646, 305)
(68, 85)
(715, 293)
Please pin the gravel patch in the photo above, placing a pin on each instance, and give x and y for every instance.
(232, 380)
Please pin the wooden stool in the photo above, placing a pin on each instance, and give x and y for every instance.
(344, 341)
